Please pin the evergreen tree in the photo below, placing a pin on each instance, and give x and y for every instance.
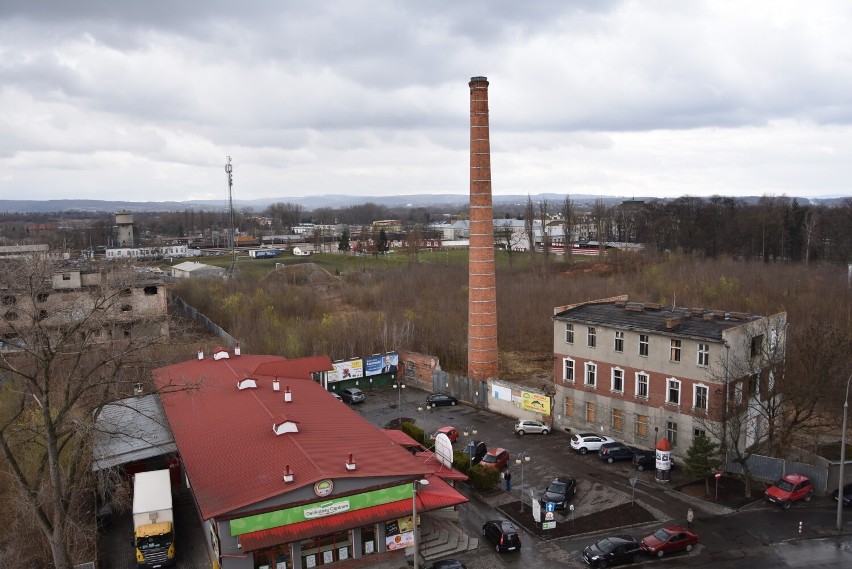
(343, 245)
(702, 459)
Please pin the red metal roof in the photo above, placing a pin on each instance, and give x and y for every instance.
(401, 438)
(438, 494)
(232, 456)
(430, 461)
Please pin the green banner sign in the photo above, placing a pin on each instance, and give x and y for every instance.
(320, 509)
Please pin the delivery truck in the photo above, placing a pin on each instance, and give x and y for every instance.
(153, 520)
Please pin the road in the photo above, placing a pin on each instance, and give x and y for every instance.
(758, 536)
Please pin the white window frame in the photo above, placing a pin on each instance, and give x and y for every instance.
(675, 349)
(591, 337)
(591, 371)
(671, 432)
(644, 342)
(618, 343)
(647, 378)
(569, 333)
(565, 368)
(670, 382)
(616, 370)
(706, 389)
(703, 359)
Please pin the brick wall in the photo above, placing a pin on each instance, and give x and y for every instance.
(416, 369)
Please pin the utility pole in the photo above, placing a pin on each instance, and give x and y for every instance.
(233, 268)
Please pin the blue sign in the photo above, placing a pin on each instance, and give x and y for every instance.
(550, 506)
(382, 363)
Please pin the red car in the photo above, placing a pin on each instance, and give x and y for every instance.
(791, 488)
(668, 540)
(496, 457)
(451, 432)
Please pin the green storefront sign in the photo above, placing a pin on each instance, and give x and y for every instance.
(320, 509)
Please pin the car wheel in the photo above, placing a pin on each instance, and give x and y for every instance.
(786, 505)
(660, 553)
(689, 548)
(808, 497)
(583, 450)
(521, 432)
(609, 460)
(637, 558)
(640, 468)
(544, 431)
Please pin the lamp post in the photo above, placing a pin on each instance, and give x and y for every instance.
(417, 484)
(399, 386)
(521, 459)
(842, 459)
(470, 431)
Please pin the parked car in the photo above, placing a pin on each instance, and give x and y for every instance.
(447, 564)
(476, 450)
(524, 426)
(496, 457)
(789, 489)
(352, 395)
(584, 442)
(336, 396)
(558, 492)
(647, 460)
(502, 534)
(613, 551)
(451, 432)
(440, 400)
(668, 540)
(847, 495)
(611, 452)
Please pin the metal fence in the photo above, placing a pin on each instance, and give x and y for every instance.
(462, 387)
(201, 319)
(769, 469)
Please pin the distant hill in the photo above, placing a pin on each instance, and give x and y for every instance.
(313, 202)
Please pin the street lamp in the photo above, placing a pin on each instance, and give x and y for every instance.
(521, 459)
(471, 445)
(842, 459)
(417, 484)
(399, 386)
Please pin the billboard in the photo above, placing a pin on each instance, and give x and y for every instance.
(346, 369)
(381, 363)
(535, 402)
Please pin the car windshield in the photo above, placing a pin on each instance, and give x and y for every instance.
(605, 545)
(784, 485)
(556, 487)
(661, 535)
(154, 542)
(489, 458)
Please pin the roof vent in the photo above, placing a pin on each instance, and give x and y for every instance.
(350, 463)
(246, 384)
(221, 354)
(708, 316)
(276, 385)
(620, 303)
(697, 311)
(288, 474)
(200, 354)
(288, 397)
(738, 316)
(653, 306)
(634, 307)
(284, 425)
(672, 323)
(237, 349)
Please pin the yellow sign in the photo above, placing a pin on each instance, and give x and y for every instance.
(535, 402)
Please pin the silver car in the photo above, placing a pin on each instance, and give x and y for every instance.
(524, 426)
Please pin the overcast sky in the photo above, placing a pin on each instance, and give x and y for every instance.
(143, 101)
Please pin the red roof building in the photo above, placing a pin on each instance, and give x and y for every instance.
(281, 471)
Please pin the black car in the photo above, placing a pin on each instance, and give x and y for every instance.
(559, 492)
(476, 450)
(447, 564)
(440, 400)
(647, 460)
(502, 534)
(613, 551)
(352, 395)
(611, 452)
(847, 495)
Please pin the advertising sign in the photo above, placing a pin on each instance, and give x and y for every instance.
(347, 369)
(381, 363)
(535, 402)
(399, 533)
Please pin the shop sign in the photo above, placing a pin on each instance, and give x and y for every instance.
(326, 510)
(323, 488)
(535, 402)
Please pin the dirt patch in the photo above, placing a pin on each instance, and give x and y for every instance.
(731, 491)
(611, 518)
(531, 369)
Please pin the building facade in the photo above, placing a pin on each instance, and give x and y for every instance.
(639, 372)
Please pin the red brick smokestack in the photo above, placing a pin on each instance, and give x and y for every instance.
(482, 303)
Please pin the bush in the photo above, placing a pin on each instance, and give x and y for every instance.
(484, 478)
(414, 432)
(461, 461)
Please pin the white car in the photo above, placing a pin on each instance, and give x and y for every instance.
(584, 442)
(526, 426)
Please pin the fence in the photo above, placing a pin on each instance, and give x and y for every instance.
(769, 469)
(464, 388)
(201, 319)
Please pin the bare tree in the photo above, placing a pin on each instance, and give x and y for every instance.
(529, 227)
(68, 353)
(809, 227)
(413, 243)
(506, 237)
(545, 236)
(600, 216)
(568, 219)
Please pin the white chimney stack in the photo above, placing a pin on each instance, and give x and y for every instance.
(350, 463)
(200, 354)
(288, 474)
(288, 397)
(237, 349)
(276, 385)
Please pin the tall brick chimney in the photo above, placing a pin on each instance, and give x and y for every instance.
(482, 303)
